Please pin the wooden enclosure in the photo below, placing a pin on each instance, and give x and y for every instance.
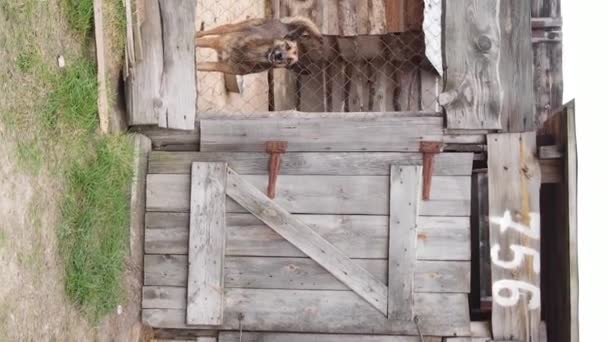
(417, 194)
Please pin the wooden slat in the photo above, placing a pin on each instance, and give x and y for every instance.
(347, 16)
(319, 311)
(312, 163)
(377, 17)
(324, 134)
(207, 244)
(144, 83)
(450, 196)
(304, 274)
(404, 198)
(308, 241)
(548, 81)
(518, 110)
(178, 86)
(360, 236)
(382, 86)
(226, 336)
(514, 192)
(549, 152)
(472, 46)
(394, 11)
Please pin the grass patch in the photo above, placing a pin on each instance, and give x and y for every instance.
(52, 117)
(79, 14)
(93, 237)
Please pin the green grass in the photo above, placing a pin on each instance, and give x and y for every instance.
(93, 236)
(54, 122)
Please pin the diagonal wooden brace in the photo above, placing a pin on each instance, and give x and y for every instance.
(275, 149)
(429, 149)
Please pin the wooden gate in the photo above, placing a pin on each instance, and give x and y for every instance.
(347, 246)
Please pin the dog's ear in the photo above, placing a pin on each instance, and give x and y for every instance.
(299, 69)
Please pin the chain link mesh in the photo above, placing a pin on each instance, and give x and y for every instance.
(372, 58)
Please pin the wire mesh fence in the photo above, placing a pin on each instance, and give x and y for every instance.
(373, 56)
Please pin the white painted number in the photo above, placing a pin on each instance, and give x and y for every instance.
(515, 287)
(506, 221)
(518, 257)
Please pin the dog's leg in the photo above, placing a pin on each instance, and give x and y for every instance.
(209, 42)
(216, 66)
(228, 28)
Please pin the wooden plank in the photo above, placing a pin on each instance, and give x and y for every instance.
(404, 198)
(143, 85)
(546, 8)
(357, 90)
(414, 14)
(377, 17)
(514, 192)
(171, 139)
(312, 89)
(472, 47)
(368, 195)
(347, 17)
(359, 236)
(178, 85)
(226, 336)
(382, 86)
(303, 273)
(394, 10)
(516, 67)
(320, 311)
(100, 49)
(308, 241)
(312, 163)
(548, 81)
(407, 94)
(207, 244)
(376, 134)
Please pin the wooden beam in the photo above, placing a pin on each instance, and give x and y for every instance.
(335, 312)
(550, 152)
(357, 236)
(404, 197)
(518, 110)
(291, 273)
(207, 244)
(308, 241)
(312, 163)
(359, 133)
(514, 179)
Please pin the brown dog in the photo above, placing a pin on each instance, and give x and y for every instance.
(256, 45)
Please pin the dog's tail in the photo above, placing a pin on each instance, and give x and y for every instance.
(299, 25)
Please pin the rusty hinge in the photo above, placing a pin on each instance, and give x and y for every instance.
(275, 149)
(429, 149)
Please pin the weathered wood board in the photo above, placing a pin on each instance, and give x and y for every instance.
(514, 193)
(357, 236)
(404, 197)
(281, 337)
(304, 274)
(367, 195)
(312, 163)
(382, 134)
(308, 241)
(320, 311)
(489, 63)
(207, 244)
(177, 90)
(161, 88)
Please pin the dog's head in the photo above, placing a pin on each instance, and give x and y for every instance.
(284, 53)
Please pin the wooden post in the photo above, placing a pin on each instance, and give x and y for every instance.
(514, 179)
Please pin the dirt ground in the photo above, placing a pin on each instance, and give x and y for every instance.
(33, 304)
